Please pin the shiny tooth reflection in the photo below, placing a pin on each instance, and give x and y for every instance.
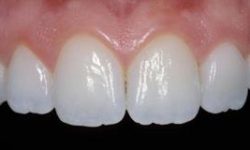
(163, 83)
(89, 84)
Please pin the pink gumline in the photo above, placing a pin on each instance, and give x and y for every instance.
(124, 26)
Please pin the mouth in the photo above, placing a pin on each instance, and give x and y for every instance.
(91, 61)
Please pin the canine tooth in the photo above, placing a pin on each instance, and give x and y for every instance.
(224, 79)
(163, 83)
(2, 84)
(89, 87)
(28, 84)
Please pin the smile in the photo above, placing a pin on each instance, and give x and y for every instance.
(93, 61)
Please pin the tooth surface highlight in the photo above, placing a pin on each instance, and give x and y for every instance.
(89, 87)
(2, 84)
(29, 83)
(163, 83)
(224, 76)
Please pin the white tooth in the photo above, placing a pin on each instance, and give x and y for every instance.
(89, 87)
(248, 71)
(28, 84)
(2, 84)
(224, 79)
(163, 83)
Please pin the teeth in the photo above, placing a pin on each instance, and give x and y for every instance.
(89, 87)
(224, 79)
(163, 83)
(2, 84)
(248, 71)
(29, 83)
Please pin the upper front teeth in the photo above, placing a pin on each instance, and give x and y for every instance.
(89, 84)
(29, 83)
(163, 83)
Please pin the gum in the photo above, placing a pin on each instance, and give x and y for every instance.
(124, 26)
